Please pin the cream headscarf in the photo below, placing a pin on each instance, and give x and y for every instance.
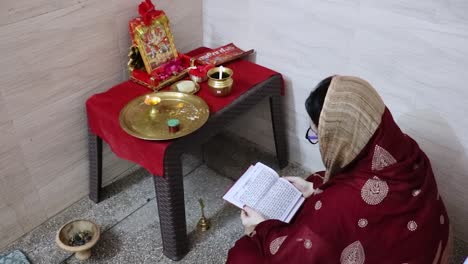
(351, 113)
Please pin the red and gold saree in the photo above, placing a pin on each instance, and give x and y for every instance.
(377, 201)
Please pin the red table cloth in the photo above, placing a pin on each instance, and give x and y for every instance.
(103, 113)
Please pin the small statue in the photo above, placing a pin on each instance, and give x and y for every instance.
(203, 223)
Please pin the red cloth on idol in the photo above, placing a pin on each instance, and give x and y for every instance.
(147, 11)
(103, 113)
(397, 218)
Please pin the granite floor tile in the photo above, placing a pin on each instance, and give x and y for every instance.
(191, 161)
(124, 197)
(121, 199)
(230, 155)
(136, 239)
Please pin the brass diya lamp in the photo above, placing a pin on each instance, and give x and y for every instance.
(152, 101)
(220, 81)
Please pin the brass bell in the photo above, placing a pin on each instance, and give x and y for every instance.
(204, 223)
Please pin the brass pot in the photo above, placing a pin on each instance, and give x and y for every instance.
(220, 86)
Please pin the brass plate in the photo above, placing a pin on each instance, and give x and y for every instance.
(175, 89)
(150, 122)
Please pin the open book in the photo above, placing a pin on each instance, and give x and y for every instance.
(262, 189)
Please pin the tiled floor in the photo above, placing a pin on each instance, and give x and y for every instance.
(129, 221)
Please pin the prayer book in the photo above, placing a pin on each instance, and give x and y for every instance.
(262, 189)
(222, 55)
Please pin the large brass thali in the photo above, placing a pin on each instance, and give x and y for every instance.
(150, 121)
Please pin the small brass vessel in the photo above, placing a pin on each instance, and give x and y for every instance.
(152, 101)
(220, 81)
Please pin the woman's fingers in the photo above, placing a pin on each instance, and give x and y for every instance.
(296, 181)
(250, 217)
(243, 217)
(292, 179)
(248, 210)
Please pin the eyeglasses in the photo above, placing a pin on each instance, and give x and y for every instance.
(311, 136)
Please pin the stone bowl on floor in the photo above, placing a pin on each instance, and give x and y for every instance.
(78, 236)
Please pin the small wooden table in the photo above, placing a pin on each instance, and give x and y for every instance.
(170, 188)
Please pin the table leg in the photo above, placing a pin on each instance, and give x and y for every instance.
(95, 166)
(171, 207)
(278, 129)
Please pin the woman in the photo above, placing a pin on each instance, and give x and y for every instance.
(377, 201)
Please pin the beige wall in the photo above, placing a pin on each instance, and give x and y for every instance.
(54, 55)
(414, 52)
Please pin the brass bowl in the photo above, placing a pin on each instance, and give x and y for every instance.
(70, 229)
(220, 87)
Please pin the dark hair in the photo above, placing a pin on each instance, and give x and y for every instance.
(314, 103)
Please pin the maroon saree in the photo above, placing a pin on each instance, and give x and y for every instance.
(383, 207)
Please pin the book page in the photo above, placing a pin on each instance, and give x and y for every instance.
(261, 188)
(234, 194)
(251, 186)
(258, 185)
(294, 209)
(279, 201)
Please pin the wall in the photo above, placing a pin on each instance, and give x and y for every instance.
(54, 55)
(414, 52)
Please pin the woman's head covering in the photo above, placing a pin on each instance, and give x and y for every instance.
(351, 113)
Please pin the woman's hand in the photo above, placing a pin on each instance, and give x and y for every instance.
(250, 219)
(305, 187)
